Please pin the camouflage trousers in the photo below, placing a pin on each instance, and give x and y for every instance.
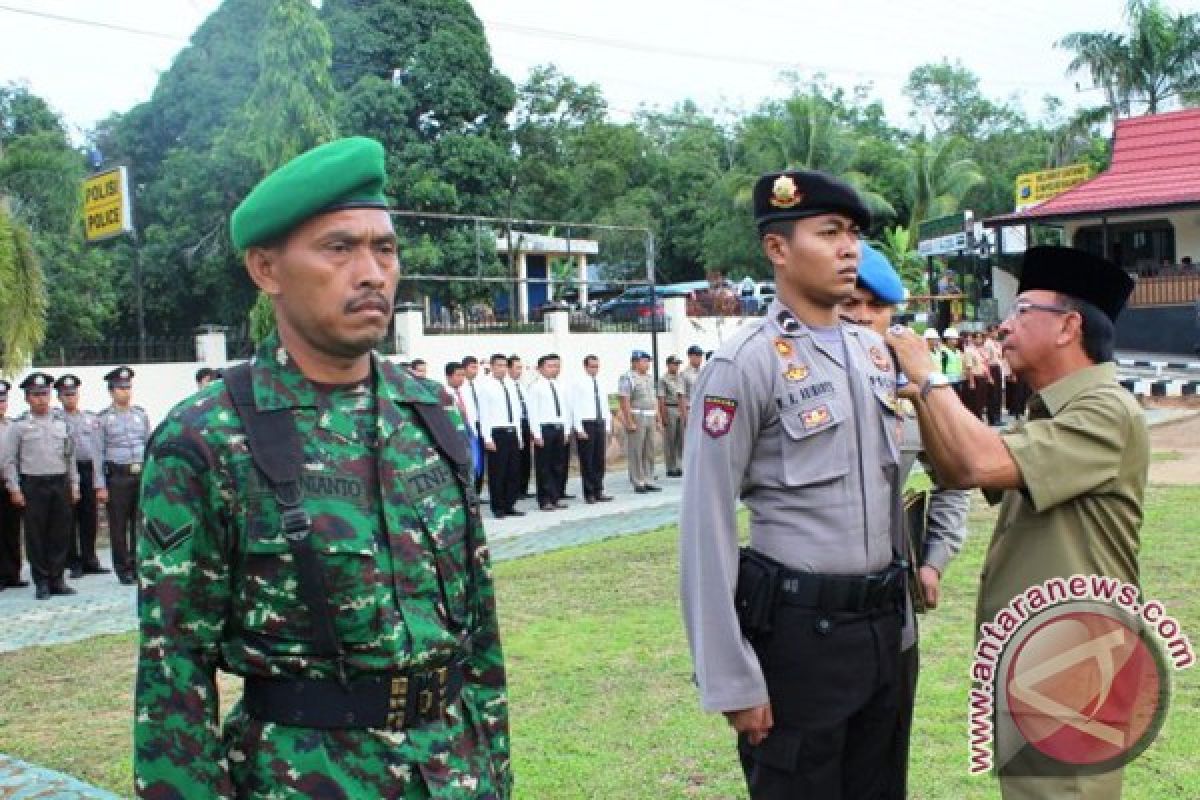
(446, 760)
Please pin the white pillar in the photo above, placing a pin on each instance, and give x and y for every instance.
(581, 263)
(410, 330)
(675, 309)
(522, 298)
(210, 345)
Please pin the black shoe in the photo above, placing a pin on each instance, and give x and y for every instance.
(548, 507)
(42, 593)
(603, 498)
(63, 590)
(589, 500)
(526, 496)
(76, 573)
(650, 487)
(18, 584)
(498, 514)
(96, 570)
(514, 513)
(675, 473)
(641, 489)
(568, 497)
(128, 580)
(560, 505)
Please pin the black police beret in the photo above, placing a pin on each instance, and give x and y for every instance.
(1078, 274)
(67, 382)
(37, 381)
(795, 194)
(119, 378)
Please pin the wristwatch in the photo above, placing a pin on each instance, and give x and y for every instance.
(933, 381)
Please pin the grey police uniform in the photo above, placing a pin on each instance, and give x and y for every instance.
(121, 444)
(84, 427)
(39, 461)
(10, 518)
(639, 444)
(805, 433)
(671, 390)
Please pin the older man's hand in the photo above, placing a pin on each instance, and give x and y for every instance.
(911, 354)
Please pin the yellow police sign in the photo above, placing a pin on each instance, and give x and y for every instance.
(1038, 187)
(106, 208)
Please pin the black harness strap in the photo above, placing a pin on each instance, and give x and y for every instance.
(278, 454)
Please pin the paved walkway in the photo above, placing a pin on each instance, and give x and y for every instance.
(20, 780)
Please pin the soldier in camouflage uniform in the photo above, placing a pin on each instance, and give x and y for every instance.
(412, 701)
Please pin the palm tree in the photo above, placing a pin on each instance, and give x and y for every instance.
(1157, 61)
(22, 299)
(938, 180)
(898, 246)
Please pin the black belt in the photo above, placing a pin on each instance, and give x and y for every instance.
(83, 464)
(43, 478)
(853, 593)
(113, 468)
(382, 700)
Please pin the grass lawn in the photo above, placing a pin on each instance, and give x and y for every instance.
(600, 680)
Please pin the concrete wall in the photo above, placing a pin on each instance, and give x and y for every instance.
(1160, 329)
(158, 387)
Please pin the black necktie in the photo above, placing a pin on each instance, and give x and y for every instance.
(475, 398)
(557, 407)
(508, 403)
(521, 397)
(596, 388)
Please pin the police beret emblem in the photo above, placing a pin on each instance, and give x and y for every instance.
(880, 360)
(718, 415)
(785, 193)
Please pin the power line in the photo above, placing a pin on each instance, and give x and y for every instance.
(93, 23)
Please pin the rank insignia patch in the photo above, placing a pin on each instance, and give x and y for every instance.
(718, 415)
(783, 347)
(796, 372)
(880, 359)
(816, 418)
(165, 538)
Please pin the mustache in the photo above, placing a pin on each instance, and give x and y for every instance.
(369, 301)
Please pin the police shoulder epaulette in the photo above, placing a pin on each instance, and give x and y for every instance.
(740, 338)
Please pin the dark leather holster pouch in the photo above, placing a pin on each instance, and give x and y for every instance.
(757, 592)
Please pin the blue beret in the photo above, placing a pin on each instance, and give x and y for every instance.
(639, 354)
(876, 274)
(347, 173)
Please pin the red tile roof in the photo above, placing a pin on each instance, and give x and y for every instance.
(1155, 163)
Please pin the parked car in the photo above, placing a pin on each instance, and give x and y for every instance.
(634, 305)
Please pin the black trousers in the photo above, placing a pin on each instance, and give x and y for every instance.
(834, 684)
(10, 540)
(503, 471)
(591, 457)
(910, 663)
(995, 398)
(122, 516)
(47, 527)
(82, 552)
(551, 465)
(526, 467)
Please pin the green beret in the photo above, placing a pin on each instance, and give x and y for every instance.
(347, 173)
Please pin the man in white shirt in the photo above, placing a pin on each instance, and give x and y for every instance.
(500, 421)
(515, 372)
(474, 411)
(590, 416)
(550, 421)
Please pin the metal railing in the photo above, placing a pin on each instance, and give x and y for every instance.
(159, 350)
(1166, 291)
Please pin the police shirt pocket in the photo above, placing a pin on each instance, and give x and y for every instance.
(893, 424)
(814, 444)
(272, 604)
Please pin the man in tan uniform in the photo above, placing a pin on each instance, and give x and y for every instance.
(639, 415)
(1072, 474)
(672, 410)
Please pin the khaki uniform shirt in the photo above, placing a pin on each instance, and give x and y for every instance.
(1083, 453)
(690, 375)
(639, 389)
(671, 389)
(805, 435)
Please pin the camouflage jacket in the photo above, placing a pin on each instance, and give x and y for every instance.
(219, 589)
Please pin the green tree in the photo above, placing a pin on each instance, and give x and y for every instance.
(22, 299)
(1155, 62)
(939, 178)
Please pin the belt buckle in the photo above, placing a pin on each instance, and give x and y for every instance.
(397, 701)
(440, 679)
(135, 468)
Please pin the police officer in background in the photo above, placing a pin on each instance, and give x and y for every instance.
(40, 473)
(795, 414)
(944, 527)
(84, 427)
(672, 410)
(691, 373)
(639, 415)
(10, 514)
(121, 445)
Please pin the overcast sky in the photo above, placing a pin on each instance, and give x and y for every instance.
(724, 54)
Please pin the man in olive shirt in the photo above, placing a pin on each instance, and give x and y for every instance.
(1073, 473)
